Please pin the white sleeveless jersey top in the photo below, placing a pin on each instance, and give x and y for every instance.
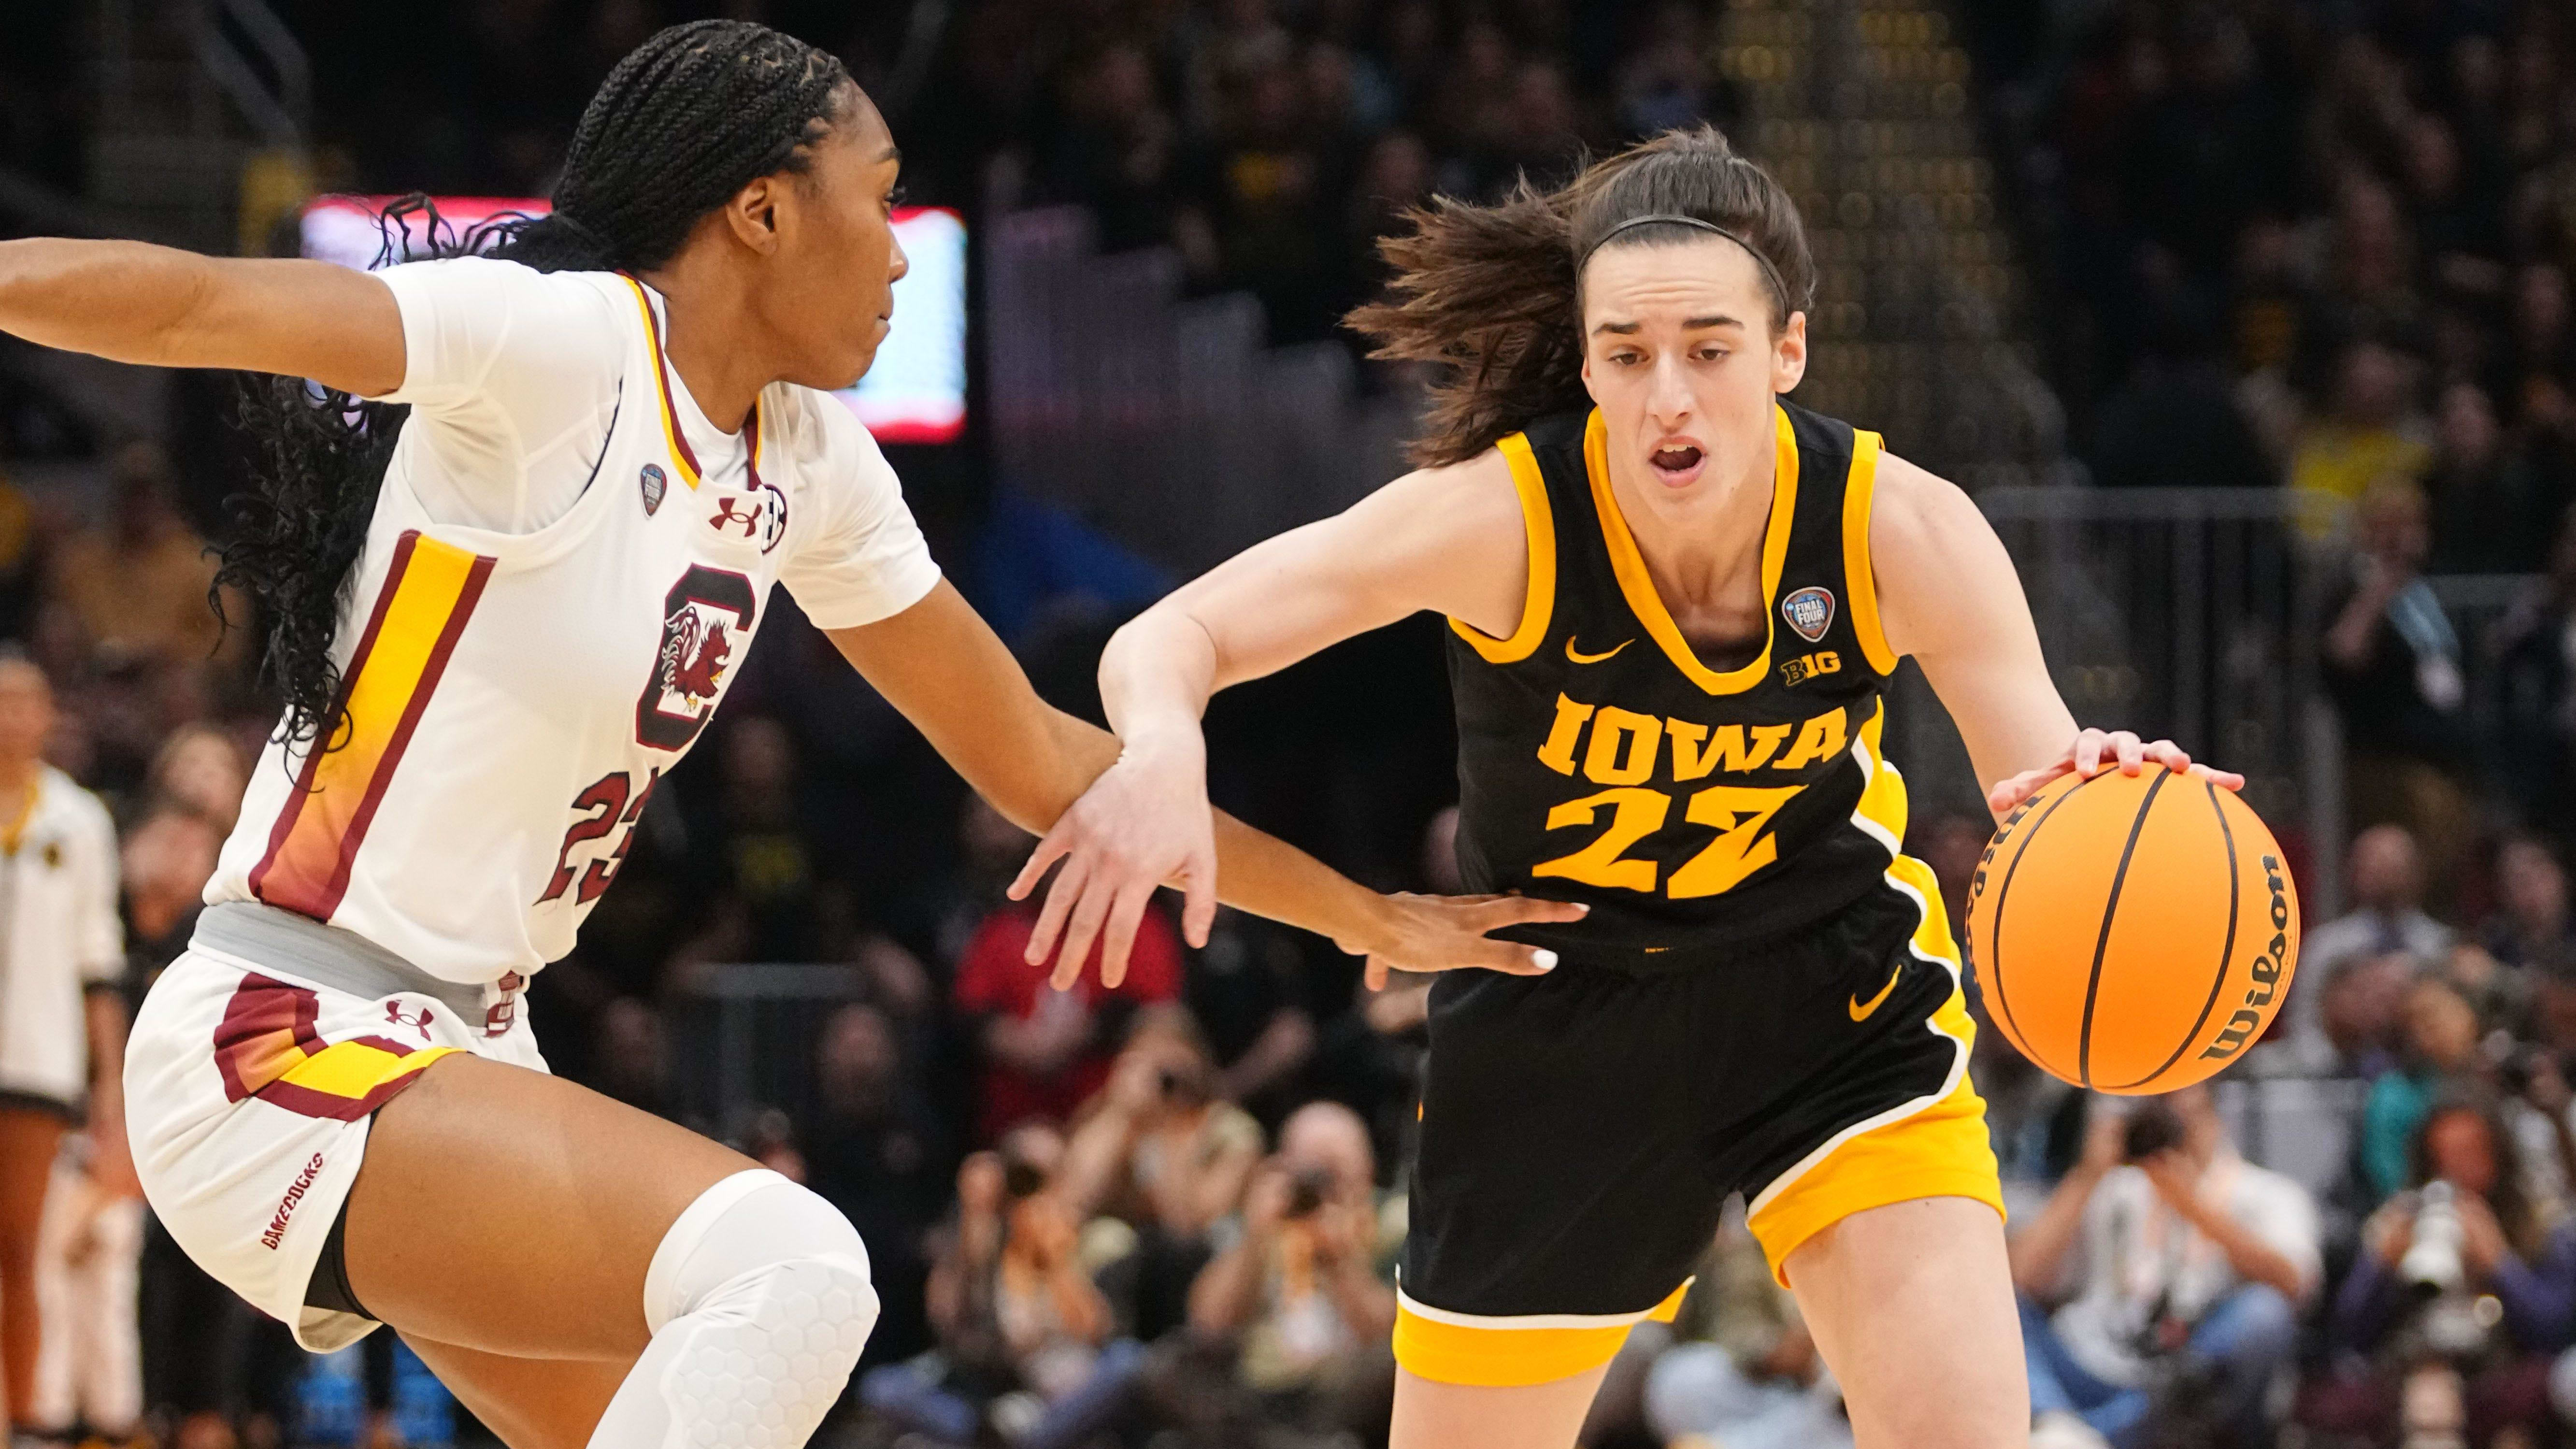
(565, 568)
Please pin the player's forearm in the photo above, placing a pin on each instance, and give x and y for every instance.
(122, 300)
(1271, 878)
(158, 306)
(105, 1011)
(1156, 678)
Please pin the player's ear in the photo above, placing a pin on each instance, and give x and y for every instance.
(753, 214)
(1789, 354)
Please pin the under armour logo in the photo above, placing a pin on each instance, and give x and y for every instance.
(418, 1021)
(726, 516)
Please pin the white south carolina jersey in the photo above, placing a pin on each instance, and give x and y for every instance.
(59, 937)
(565, 568)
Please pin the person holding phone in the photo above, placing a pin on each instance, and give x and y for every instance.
(2170, 1262)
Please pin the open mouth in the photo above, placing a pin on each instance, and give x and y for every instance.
(1676, 462)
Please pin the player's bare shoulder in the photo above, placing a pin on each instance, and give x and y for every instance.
(1457, 534)
(1932, 554)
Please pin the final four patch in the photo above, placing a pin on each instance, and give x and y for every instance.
(1810, 612)
(654, 486)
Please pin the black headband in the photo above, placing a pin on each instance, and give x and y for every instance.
(1770, 273)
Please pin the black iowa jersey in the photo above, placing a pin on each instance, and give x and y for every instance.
(1600, 760)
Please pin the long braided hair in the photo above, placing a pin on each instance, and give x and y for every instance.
(1494, 293)
(687, 120)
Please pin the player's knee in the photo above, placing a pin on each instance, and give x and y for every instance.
(775, 1253)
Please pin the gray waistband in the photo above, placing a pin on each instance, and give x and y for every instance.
(321, 955)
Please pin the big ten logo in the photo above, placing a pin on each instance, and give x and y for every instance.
(1809, 666)
(1624, 747)
(2266, 971)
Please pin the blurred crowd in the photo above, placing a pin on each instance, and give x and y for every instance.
(2326, 246)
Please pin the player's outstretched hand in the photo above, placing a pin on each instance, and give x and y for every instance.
(1143, 824)
(1449, 933)
(2094, 751)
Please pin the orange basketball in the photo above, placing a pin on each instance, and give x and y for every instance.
(2133, 933)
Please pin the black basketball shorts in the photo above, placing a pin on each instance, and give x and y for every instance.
(1581, 1130)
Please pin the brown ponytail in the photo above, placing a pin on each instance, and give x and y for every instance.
(1493, 292)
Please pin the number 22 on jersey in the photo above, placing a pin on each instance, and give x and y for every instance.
(1624, 746)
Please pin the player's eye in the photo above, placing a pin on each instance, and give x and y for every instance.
(896, 196)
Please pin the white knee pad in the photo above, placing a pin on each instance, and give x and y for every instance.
(759, 1302)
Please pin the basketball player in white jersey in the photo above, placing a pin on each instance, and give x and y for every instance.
(497, 622)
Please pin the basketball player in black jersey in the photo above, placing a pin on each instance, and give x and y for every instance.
(1676, 602)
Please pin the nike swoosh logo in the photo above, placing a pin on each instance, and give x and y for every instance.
(1579, 657)
(1863, 1013)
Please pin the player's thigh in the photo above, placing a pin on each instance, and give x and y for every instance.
(1434, 1415)
(1911, 1305)
(503, 1210)
(530, 1403)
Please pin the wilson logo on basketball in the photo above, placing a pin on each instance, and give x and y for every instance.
(2265, 971)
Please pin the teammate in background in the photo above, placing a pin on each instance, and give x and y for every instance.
(1676, 602)
(497, 618)
(62, 1023)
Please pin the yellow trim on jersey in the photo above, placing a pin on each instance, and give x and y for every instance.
(1858, 579)
(1934, 1146)
(1503, 1353)
(1942, 1150)
(1639, 585)
(681, 457)
(1539, 522)
(356, 1068)
(1882, 800)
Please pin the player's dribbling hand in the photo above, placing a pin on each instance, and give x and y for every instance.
(1448, 933)
(2094, 752)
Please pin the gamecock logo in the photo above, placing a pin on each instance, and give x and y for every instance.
(703, 617)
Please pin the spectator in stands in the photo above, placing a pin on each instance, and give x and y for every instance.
(1304, 1286)
(1247, 990)
(2461, 1235)
(876, 1150)
(1746, 1372)
(2491, 511)
(2177, 1263)
(2535, 694)
(1117, 151)
(198, 769)
(62, 1009)
(2530, 924)
(1163, 1156)
(2174, 422)
(2384, 877)
(2440, 1059)
(1043, 1052)
(137, 586)
(2362, 1016)
(1020, 1325)
(2392, 664)
(2371, 433)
